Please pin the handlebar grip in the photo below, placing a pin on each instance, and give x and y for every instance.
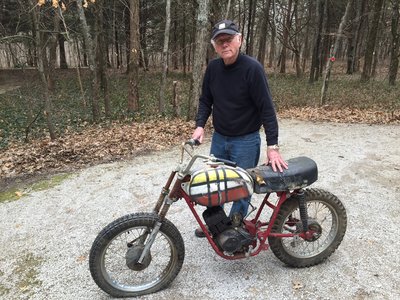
(227, 162)
(193, 142)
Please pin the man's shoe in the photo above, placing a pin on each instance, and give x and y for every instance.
(199, 233)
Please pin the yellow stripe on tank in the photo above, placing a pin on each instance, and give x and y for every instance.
(212, 175)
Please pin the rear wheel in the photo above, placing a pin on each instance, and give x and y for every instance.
(326, 218)
(114, 256)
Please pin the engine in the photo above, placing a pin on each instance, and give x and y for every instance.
(229, 237)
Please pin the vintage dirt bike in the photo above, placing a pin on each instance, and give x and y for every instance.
(142, 253)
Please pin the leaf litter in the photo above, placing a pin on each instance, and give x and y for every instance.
(99, 144)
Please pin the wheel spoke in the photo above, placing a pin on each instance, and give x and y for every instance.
(121, 275)
(115, 252)
(326, 218)
(323, 215)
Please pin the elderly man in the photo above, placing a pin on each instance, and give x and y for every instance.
(235, 90)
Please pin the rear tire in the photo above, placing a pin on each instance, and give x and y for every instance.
(324, 209)
(117, 248)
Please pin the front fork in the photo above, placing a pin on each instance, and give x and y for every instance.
(161, 208)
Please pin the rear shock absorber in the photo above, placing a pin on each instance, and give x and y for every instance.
(303, 209)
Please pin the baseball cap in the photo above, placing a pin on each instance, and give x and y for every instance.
(225, 26)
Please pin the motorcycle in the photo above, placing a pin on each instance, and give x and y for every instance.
(142, 253)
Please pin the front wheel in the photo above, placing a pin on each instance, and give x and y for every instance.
(326, 217)
(114, 256)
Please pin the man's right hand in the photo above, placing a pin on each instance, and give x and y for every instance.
(198, 134)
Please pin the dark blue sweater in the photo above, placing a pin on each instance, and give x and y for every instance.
(239, 98)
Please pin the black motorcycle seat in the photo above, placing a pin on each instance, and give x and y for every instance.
(302, 171)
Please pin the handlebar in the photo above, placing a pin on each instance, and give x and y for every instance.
(193, 142)
(227, 162)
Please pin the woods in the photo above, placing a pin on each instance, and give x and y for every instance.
(98, 41)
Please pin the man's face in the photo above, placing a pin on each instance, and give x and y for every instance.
(227, 46)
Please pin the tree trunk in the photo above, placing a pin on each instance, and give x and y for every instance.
(41, 69)
(53, 50)
(250, 28)
(175, 45)
(263, 33)
(333, 52)
(228, 9)
(127, 24)
(101, 55)
(325, 40)
(314, 73)
(350, 40)
(379, 46)
(116, 36)
(161, 101)
(183, 44)
(143, 16)
(285, 37)
(91, 61)
(272, 48)
(394, 47)
(199, 56)
(296, 43)
(371, 41)
(61, 45)
(134, 53)
(362, 18)
(306, 48)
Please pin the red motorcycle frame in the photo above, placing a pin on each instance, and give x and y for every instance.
(306, 226)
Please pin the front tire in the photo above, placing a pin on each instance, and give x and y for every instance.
(114, 254)
(325, 212)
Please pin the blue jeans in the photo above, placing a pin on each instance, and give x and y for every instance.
(245, 151)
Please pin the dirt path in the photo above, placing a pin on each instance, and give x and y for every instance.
(46, 236)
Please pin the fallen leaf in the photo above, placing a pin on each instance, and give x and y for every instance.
(297, 285)
(81, 258)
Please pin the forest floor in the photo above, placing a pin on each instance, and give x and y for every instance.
(98, 144)
(13, 79)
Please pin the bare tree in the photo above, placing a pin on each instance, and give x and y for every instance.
(91, 60)
(199, 56)
(134, 54)
(316, 56)
(371, 41)
(285, 36)
(250, 27)
(53, 49)
(334, 50)
(48, 113)
(272, 47)
(264, 31)
(308, 35)
(228, 9)
(101, 55)
(394, 47)
(161, 101)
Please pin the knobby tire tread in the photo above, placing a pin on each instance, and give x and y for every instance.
(120, 225)
(291, 204)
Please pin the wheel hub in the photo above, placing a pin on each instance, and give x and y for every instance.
(132, 256)
(314, 230)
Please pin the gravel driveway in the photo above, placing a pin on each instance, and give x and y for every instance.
(46, 236)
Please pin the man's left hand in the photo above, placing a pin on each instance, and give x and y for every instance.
(275, 160)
